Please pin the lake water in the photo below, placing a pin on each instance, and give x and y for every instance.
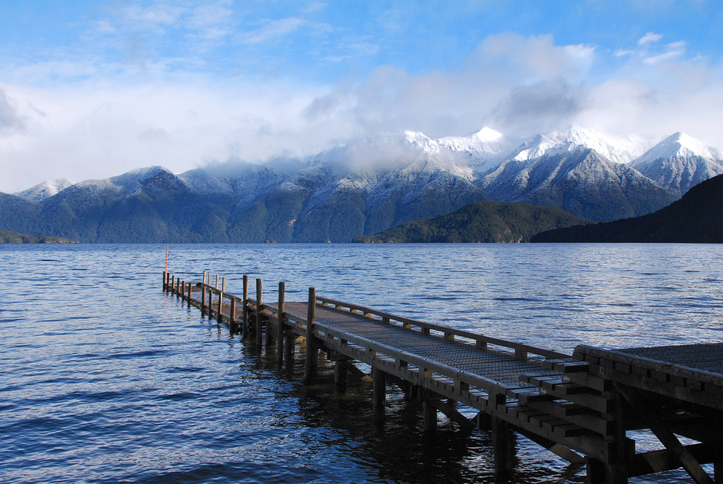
(107, 379)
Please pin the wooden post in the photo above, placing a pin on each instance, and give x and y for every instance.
(165, 274)
(245, 309)
(173, 281)
(183, 290)
(190, 286)
(503, 444)
(220, 306)
(341, 375)
(203, 295)
(429, 414)
(289, 346)
(178, 288)
(223, 285)
(259, 322)
(280, 326)
(379, 390)
(232, 316)
(312, 351)
(210, 302)
(216, 286)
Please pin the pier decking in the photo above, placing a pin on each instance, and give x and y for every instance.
(578, 406)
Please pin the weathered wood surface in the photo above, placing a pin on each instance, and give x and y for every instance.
(582, 403)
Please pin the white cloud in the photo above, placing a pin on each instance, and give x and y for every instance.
(673, 50)
(272, 30)
(104, 121)
(649, 38)
(536, 56)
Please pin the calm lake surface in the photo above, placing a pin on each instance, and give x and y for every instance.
(107, 379)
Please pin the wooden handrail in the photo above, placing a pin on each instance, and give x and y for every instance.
(446, 330)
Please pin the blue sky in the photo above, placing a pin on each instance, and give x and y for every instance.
(90, 89)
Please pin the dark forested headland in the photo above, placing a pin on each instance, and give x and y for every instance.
(695, 218)
(479, 222)
(8, 237)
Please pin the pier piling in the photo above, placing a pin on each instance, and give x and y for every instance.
(578, 406)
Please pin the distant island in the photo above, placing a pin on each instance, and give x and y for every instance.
(479, 222)
(695, 218)
(9, 237)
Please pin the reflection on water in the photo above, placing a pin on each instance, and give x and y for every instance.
(105, 378)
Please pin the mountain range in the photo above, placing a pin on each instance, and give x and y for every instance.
(695, 218)
(367, 186)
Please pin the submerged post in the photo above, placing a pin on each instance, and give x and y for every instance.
(503, 444)
(210, 302)
(269, 337)
(245, 309)
(429, 412)
(173, 281)
(164, 280)
(203, 294)
(259, 323)
(232, 316)
(312, 351)
(280, 326)
(379, 390)
(220, 306)
(340, 376)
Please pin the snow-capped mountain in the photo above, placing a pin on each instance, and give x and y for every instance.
(357, 188)
(482, 150)
(679, 162)
(579, 180)
(614, 148)
(45, 189)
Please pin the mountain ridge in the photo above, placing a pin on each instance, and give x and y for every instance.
(357, 188)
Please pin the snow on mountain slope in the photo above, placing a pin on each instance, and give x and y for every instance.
(616, 149)
(483, 150)
(679, 162)
(48, 188)
(579, 180)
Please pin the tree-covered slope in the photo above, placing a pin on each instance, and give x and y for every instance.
(9, 237)
(695, 218)
(480, 222)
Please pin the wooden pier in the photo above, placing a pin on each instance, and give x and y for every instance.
(579, 406)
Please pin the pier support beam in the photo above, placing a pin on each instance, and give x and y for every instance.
(503, 444)
(203, 296)
(341, 376)
(259, 321)
(312, 348)
(280, 326)
(232, 323)
(210, 303)
(429, 414)
(379, 390)
(270, 336)
(245, 309)
(289, 346)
